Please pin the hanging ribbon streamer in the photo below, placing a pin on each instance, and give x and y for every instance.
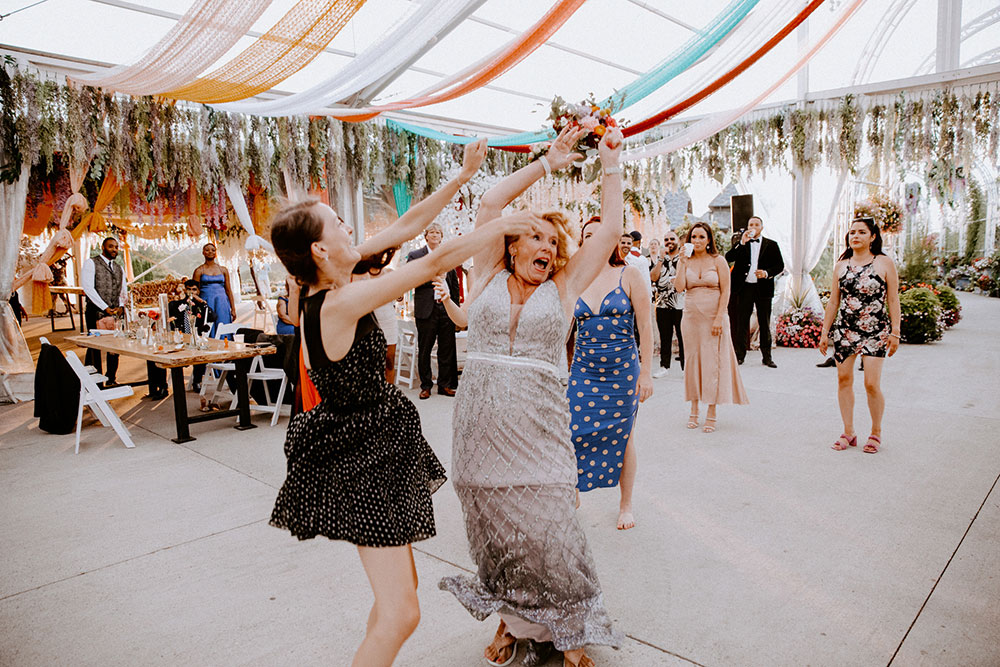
(197, 40)
(691, 52)
(520, 48)
(380, 63)
(706, 128)
(235, 194)
(402, 197)
(290, 45)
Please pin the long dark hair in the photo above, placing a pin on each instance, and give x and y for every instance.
(876, 246)
(616, 258)
(293, 231)
(710, 248)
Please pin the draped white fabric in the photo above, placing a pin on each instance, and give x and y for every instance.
(706, 128)
(202, 36)
(399, 48)
(239, 203)
(14, 355)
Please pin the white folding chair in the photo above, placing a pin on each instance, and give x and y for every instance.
(406, 354)
(223, 367)
(97, 399)
(258, 371)
(90, 369)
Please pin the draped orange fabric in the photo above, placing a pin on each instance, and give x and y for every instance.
(519, 49)
(95, 220)
(36, 224)
(290, 45)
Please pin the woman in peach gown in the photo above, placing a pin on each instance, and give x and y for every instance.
(711, 374)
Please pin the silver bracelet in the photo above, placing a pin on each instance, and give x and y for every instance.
(895, 336)
(612, 170)
(545, 165)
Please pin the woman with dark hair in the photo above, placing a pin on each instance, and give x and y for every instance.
(359, 468)
(216, 288)
(711, 374)
(609, 376)
(515, 470)
(858, 322)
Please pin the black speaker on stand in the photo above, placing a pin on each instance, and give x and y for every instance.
(742, 209)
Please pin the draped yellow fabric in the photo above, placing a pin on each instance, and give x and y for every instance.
(290, 45)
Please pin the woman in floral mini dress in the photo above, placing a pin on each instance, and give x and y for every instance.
(864, 301)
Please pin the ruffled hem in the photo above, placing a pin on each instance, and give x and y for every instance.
(590, 614)
(303, 533)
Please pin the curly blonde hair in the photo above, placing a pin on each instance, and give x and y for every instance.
(564, 244)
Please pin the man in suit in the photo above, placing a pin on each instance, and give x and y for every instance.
(104, 286)
(433, 324)
(756, 262)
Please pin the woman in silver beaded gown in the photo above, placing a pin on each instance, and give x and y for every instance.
(514, 466)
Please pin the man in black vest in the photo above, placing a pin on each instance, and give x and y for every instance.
(756, 262)
(104, 285)
(433, 324)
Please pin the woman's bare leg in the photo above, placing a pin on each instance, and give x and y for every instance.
(630, 465)
(845, 393)
(873, 387)
(396, 612)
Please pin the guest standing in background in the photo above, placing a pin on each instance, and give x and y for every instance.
(756, 263)
(433, 324)
(710, 369)
(669, 303)
(216, 289)
(288, 308)
(862, 318)
(104, 284)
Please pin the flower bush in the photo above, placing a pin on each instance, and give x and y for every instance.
(921, 321)
(951, 309)
(798, 327)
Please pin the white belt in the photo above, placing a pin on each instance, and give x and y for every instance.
(514, 361)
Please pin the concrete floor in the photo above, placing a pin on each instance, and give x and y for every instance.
(756, 545)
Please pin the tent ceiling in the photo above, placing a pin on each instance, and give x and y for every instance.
(602, 47)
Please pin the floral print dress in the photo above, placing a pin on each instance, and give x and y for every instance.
(862, 325)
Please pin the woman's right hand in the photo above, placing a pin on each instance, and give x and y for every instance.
(610, 148)
(561, 153)
(824, 343)
(523, 222)
(473, 158)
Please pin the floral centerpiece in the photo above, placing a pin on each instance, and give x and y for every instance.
(590, 116)
(798, 327)
(887, 213)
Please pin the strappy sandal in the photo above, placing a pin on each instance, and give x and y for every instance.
(709, 428)
(845, 441)
(873, 444)
(502, 641)
(693, 421)
(585, 661)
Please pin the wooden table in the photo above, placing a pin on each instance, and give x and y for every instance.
(62, 289)
(218, 351)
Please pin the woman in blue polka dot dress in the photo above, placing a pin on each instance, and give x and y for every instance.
(610, 376)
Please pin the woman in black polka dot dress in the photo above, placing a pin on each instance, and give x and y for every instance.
(359, 468)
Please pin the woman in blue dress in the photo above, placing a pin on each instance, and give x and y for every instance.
(610, 375)
(213, 279)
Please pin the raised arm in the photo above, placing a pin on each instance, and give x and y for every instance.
(413, 222)
(358, 298)
(832, 306)
(503, 193)
(588, 261)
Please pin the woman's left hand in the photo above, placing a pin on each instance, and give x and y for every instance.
(717, 327)
(893, 345)
(645, 386)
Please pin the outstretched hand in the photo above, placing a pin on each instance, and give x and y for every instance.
(610, 148)
(561, 153)
(473, 158)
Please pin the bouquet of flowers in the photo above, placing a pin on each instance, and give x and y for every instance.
(590, 116)
(798, 327)
(886, 212)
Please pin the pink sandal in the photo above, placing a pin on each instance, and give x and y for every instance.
(845, 441)
(873, 444)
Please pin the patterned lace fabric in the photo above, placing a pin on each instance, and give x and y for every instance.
(514, 472)
(862, 325)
